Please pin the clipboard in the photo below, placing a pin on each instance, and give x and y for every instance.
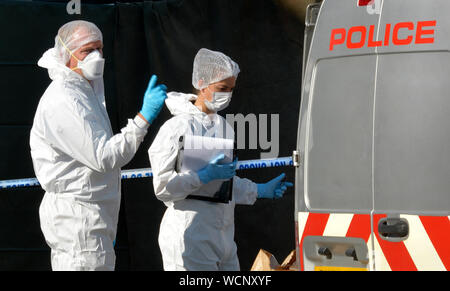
(225, 192)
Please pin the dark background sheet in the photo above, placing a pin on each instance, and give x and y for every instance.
(140, 39)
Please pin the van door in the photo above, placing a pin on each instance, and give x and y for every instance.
(412, 140)
(334, 194)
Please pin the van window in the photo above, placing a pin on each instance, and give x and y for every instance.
(338, 165)
(412, 133)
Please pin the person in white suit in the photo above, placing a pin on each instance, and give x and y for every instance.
(76, 157)
(198, 235)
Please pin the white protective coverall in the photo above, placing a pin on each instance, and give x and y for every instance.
(194, 235)
(77, 161)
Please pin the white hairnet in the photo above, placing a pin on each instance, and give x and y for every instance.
(73, 35)
(211, 67)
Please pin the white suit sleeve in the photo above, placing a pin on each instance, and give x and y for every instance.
(169, 185)
(244, 191)
(80, 133)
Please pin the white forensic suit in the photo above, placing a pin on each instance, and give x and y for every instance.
(77, 161)
(194, 235)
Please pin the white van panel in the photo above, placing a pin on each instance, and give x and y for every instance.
(338, 164)
(412, 136)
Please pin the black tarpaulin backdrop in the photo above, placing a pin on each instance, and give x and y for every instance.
(140, 39)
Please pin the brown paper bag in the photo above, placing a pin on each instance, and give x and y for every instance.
(265, 261)
(289, 263)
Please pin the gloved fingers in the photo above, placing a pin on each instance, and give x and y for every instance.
(230, 166)
(152, 82)
(285, 185)
(281, 188)
(159, 93)
(159, 90)
(226, 167)
(279, 178)
(159, 96)
(231, 170)
(227, 174)
(279, 191)
(288, 184)
(156, 91)
(218, 159)
(278, 194)
(234, 163)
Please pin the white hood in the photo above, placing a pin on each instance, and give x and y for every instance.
(181, 103)
(56, 70)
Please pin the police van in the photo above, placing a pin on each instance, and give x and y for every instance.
(373, 147)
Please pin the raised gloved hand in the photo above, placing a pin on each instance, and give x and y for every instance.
(215, 171)
(274, 189)
(153, 100)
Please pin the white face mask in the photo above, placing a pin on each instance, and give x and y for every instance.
(92, 66)
(220, 101)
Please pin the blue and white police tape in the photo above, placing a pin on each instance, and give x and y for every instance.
(147, 172)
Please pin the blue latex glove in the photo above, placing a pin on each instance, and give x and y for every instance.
(274, 189)
(215, 171)
(153, 100)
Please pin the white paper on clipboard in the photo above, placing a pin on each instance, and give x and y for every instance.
(200, 150)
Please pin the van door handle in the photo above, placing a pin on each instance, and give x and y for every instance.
(393, 229)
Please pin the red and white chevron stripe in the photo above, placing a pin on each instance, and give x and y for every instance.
(426, 248)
